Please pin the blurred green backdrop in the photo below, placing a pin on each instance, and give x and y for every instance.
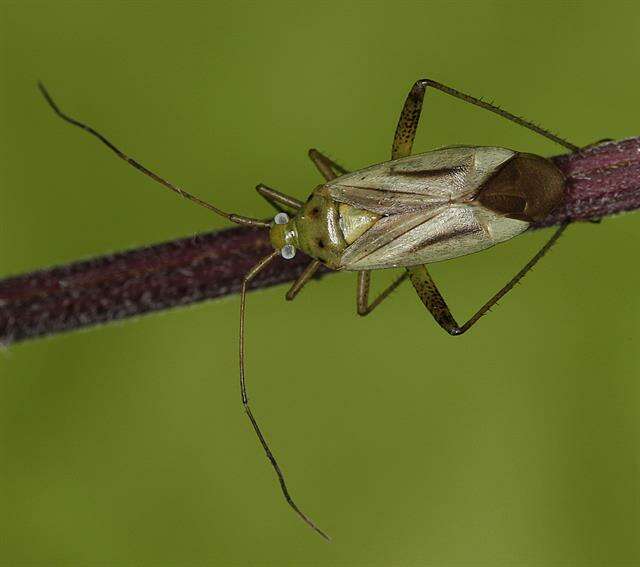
(517, 444)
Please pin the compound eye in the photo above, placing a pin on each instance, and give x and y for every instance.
(281, 218)
(288, 251)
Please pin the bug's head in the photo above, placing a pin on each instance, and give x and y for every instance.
(284, 235)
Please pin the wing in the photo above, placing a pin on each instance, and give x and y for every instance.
(423, 237)
(421, 182)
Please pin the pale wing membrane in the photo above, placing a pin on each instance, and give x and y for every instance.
(382, 234)
(438, 238)
(383, 202)
(454, 230)
(440, 176)
(465, 168)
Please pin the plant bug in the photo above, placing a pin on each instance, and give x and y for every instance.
(406, 212)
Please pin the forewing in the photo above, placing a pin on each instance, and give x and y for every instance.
(383, 233)
(419, 238)
(384, 202)
(420, 182)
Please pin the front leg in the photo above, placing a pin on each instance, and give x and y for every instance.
(303, 279)
(435, 303)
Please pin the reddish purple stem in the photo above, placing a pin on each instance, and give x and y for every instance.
(603, 180)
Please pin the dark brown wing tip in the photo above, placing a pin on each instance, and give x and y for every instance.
(528, 187)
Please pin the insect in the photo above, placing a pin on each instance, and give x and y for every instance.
(406, 212)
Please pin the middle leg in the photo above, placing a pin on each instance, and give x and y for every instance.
(278, 200)
(326, 166)
(364, 281)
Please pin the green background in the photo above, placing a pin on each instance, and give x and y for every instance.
(517, 444)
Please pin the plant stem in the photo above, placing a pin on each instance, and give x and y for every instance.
(601, 181)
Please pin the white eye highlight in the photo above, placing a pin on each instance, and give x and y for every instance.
(288, 251)
(281, 218)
